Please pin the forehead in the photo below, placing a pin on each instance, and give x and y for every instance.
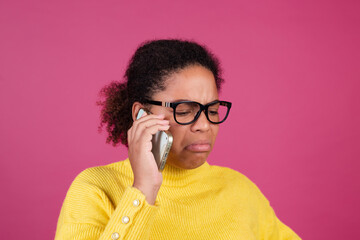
(194, 83)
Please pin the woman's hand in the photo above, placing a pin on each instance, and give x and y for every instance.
(147, 177)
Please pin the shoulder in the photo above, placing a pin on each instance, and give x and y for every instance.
(106, 173)
(93, 192)
(229, 174)
(250, 196)
(235, 180)
(98, 186)
(102, 180)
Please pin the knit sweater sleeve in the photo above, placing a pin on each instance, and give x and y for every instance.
(271, 228)
(88, 212)
(274, 228)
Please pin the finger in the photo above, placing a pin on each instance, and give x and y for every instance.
(147, 133)
(139, 127)
(149, 122)
(145, 116)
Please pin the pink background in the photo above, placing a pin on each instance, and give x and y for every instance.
(291, 69)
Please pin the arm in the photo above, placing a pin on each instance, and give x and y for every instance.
(271, 228)
(88, 213)
(274, 228)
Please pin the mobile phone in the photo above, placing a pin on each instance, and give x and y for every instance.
(161, 144)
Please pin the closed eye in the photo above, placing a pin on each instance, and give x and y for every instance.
(182, 113)
(213, 112)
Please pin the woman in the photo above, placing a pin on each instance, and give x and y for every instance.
(189, 199)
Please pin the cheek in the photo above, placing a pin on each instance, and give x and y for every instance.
(179, 136)
(215, 130)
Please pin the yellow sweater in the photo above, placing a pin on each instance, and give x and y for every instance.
(208, 202)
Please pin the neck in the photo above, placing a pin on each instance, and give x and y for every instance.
(173, 175)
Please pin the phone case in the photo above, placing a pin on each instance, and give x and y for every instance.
(161, 144)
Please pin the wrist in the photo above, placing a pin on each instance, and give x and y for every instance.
(150, 191)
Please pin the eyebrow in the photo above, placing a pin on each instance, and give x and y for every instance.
(179, 100)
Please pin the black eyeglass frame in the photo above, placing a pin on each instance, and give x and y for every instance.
(204, 108)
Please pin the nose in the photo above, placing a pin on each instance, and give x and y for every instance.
(201, 124)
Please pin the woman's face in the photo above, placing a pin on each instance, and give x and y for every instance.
(191, 143)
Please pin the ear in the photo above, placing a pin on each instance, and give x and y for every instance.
(135, 109)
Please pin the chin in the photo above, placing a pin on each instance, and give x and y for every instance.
(189, 161)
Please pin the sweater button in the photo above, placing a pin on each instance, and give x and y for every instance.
(136, 203)
(115, 235)
(125, 219)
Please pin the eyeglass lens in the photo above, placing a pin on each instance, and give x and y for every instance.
(186, 112)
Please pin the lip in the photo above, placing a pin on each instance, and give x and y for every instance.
(199, 146)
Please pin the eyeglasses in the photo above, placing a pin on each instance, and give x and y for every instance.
(187, 112)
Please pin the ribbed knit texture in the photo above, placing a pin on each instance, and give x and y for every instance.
(208, 202)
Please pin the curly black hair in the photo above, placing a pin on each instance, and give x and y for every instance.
(146, 74)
